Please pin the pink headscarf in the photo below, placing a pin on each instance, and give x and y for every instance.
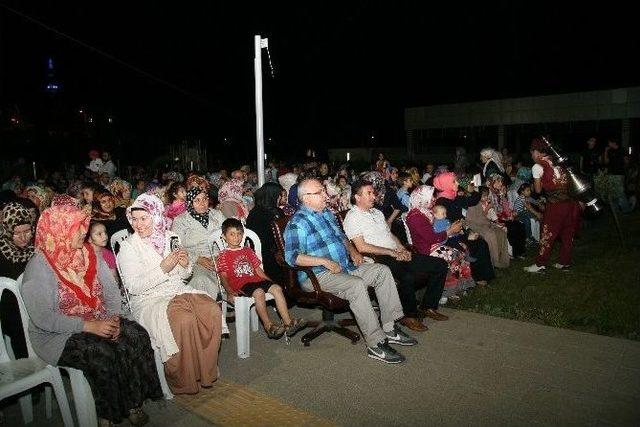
(444, 182)
(231, 190)
(154, 206)
(421, 199)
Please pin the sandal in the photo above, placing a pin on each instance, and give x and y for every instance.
(275, 331)
(295, 326)
(137, 417)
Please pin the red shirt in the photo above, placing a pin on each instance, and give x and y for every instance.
(239, 265)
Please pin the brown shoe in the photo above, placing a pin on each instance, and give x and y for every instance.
(413, 324)
(435, 315)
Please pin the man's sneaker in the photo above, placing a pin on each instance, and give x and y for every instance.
(535, 268)
(397, 336)
(383, 352)
(562, 267)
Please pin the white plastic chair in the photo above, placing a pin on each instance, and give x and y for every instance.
(244, 307)
(17, 376)
(116, 239)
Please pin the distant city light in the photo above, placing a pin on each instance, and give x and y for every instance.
(52, 86)
(110, 120)
(81, 111)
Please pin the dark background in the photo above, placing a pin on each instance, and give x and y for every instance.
(343, 71)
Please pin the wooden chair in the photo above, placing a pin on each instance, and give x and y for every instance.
(328, 302)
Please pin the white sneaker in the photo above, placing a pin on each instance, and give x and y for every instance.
(534, 268)
(562, 267)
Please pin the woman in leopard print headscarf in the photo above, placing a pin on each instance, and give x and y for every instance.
(16, 239)
(16, 249)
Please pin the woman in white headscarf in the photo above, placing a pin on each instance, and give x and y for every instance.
(184, 323)
(492, 161)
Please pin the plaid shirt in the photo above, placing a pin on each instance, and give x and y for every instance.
(316, 234)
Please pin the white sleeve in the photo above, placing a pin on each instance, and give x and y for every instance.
(136, 275)
(537, 171)
(351, 225)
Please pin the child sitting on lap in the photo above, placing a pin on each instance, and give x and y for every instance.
(239, 269)
(441, 223)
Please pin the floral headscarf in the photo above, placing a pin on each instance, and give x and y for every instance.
(377, 179)
(197, 181)
(117, 187)
(154, 207)
(287, 180)
(41, 194)
(64, 199)
(444, 184)
(13, 215)
(80, 293)
(201, 218)
(231, 190)
(422, 200)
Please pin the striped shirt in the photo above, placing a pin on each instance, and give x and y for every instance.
(316, 234)
(518, 204)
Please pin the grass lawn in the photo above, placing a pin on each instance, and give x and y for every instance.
(601, 294)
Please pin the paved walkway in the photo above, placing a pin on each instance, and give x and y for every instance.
(471, 370)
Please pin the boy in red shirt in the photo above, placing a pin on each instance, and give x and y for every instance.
(239, 269)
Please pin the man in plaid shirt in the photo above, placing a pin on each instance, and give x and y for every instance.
(314, 239)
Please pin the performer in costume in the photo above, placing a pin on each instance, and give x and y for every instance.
(561, 214)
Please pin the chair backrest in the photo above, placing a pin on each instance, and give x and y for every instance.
(250, 239)
(13, 286)
(278, 226)
(116, 238)
(403, 217)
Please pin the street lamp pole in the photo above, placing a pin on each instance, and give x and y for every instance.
(259, 44)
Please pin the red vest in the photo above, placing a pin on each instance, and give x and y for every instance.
(556, 187)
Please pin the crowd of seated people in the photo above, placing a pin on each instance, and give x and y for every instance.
(418, 239)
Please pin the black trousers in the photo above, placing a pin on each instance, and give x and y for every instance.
(517, 237)
(428, 269)
(122, 373)
(482, 268)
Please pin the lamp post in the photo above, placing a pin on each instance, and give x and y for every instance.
(259, 44)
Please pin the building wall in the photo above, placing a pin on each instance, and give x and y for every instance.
(507, 122)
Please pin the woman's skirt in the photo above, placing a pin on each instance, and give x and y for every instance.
(122, 373)
(196, 324)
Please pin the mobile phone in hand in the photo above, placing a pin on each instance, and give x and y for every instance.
(174, 243)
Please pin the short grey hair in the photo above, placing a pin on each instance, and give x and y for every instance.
(302, 186)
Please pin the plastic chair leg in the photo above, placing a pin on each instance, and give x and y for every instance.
(47, 401)
(254, 319)
(163, 380)
(225, 327)
(83, 398)
(26, 407)
(242, 308)
(61, 396)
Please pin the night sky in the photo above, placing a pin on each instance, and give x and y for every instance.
(343, 70)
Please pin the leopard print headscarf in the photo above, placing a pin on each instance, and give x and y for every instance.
(13, 215)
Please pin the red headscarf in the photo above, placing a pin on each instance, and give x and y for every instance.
(444, 182)
(80, 293)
